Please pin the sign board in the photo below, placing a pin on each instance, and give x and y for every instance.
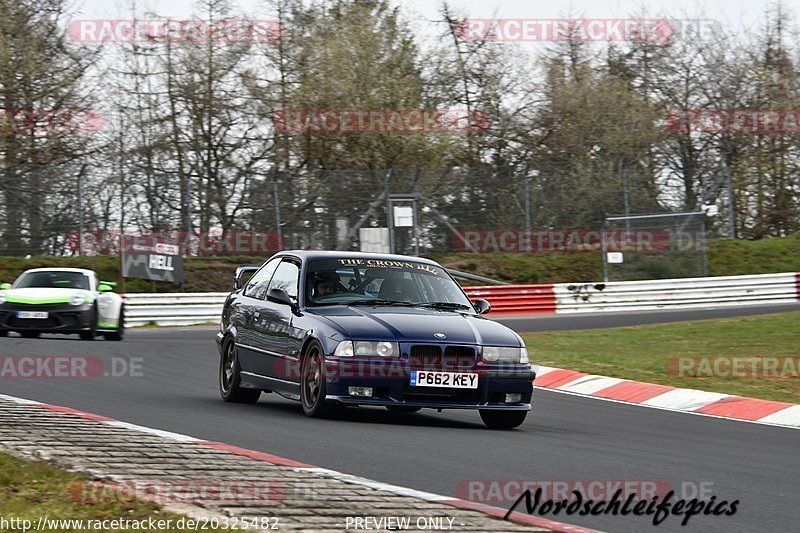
(152, 259)
(614, 258)
(374, 240)
(403, 216)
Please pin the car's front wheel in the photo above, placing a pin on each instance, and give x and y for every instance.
(89, 334)
(312, 382)
(230, 379)
(502, 419)
(120, 332)
(30, 334)
(3, 333)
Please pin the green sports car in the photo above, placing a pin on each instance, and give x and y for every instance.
(61, 300)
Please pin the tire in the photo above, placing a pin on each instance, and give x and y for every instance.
(402, 408)
(3, 333)
(119, 334)
(312, 383)
(90, 334)
(230, 377)
(502, 419)
(30, 334)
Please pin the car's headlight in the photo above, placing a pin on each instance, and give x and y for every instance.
(378, 348)
(78, 299)
(503, 354)
(344, 349)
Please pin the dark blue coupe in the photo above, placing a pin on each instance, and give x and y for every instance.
(341, 328)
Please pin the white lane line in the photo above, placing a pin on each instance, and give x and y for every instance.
(378, 485)
(177, 437)
(20, 401)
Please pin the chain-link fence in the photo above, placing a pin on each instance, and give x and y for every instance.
(660, 246)
(544, 207)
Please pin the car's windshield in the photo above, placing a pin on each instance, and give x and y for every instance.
(54, 279)
(359, 281)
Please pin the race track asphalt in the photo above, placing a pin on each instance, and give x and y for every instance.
(565, 438)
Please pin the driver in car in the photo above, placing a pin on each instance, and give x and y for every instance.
(325, 283)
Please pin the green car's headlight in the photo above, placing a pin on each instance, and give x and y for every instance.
(504, 354)
(78, 299)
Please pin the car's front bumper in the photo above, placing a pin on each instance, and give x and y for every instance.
(61, 318)
(391, 386)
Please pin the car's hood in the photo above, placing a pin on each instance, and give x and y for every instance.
(414, 324)
(36, 295)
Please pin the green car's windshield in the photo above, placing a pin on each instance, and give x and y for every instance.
(359, 281)
(54, 279)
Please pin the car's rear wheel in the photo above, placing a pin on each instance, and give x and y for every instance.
(230, 379)
(312, 383)
(120, 332)
(502, 419)
(403, 408)
(3, 333)
(30, 334)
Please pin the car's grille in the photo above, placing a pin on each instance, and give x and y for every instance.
(426, 356)
(459, 356)
(441, 395)
(33, 323)
(430, 356)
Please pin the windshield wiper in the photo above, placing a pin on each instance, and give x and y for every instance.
(378, 301)
(444, 305)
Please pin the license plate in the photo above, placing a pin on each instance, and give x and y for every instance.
(451, 380)
(32, 314)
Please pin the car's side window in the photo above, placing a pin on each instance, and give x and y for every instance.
(257, 285)
(286, 278)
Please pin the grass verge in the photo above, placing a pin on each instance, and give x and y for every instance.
(643, 353)
(30, 490)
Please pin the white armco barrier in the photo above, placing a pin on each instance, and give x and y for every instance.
(180, 309)
(687, 293)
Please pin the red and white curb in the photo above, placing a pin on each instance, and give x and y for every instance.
(516, 517)
(669, 398)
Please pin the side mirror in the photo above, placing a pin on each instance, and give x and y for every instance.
(482, 307)
(104, 288)
(240, 272)
(5, 286)
(279, 296)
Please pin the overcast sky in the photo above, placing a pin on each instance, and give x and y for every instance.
(732, 13)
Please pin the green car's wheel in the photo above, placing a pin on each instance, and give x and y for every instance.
(120, 332)
(89, 334)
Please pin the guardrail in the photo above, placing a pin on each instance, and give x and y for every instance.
(206, 307)
(179, 309)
